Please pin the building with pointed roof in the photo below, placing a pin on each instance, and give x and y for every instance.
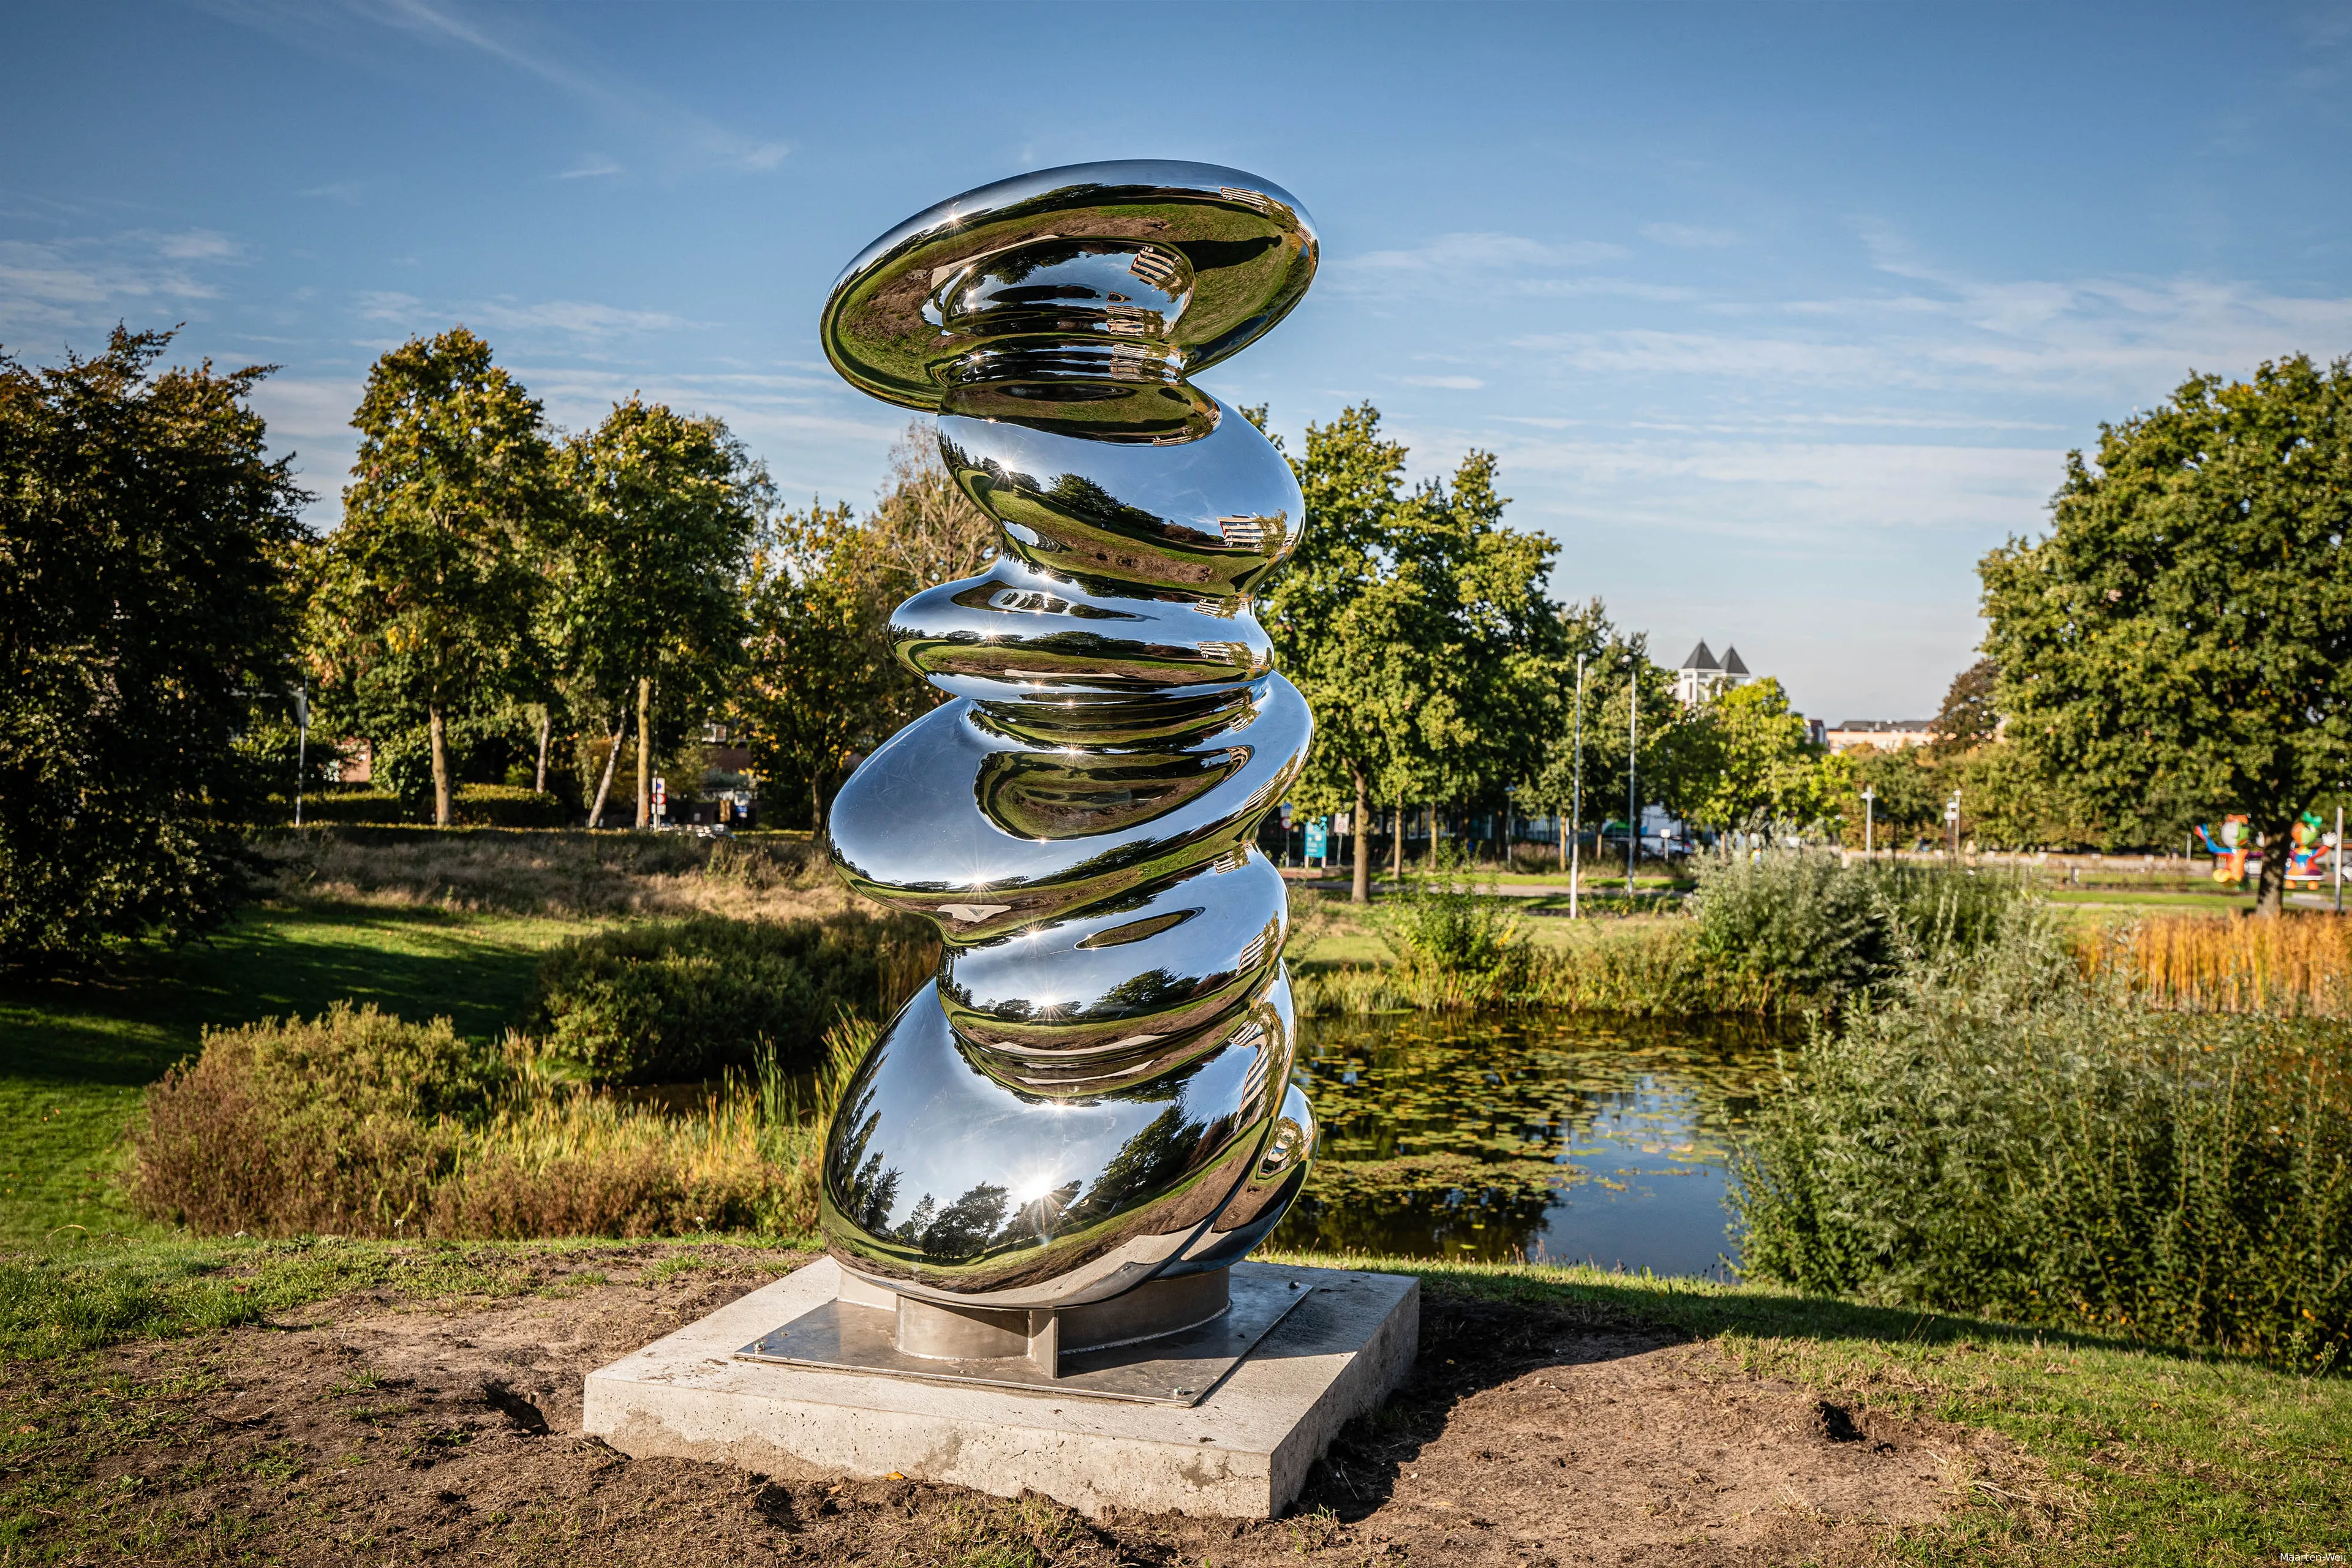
(1703, 675)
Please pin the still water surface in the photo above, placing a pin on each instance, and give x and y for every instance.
(1563, 1139)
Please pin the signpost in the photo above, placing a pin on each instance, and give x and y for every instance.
(1318, 841)
(661, 800)
(301, 744)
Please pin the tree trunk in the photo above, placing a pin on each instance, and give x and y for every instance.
(439, 733)
(1563, 841)
(1396, 849)
(546, 730)
(816, 809)
(1361, 892)
(611, 760)
(2270, 892)
(645, 753)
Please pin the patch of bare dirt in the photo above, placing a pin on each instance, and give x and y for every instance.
(370, 1430)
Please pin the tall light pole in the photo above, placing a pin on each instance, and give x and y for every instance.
(1868, 795)
(1576, 797)
(1632, 772)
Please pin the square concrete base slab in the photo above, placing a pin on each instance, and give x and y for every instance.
(1242, 1453)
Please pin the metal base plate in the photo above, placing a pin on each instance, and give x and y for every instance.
(1176, 1369)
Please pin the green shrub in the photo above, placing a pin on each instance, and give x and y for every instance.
(1445, 925)
(341, 1123)
(2024, 1147)
(1804, 929)
(507, 805)
(680, 999)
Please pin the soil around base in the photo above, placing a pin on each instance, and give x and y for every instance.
(371, 1428)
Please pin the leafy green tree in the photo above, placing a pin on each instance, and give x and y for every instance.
(1907, 788)
(425, 598)
(1615, 664)
(1968, 717)
(1416, 627)
(145, 544)
(2182, 637)
(1765, 767)
(823, 686)
(664, 510)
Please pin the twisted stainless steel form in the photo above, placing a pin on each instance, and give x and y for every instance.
(1095, 1093)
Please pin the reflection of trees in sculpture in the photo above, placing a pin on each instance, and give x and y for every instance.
(1117, 731)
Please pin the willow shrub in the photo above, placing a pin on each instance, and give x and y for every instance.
(676, 1001)
(1809, 929)
(2013, 1143)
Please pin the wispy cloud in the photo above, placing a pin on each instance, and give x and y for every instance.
(344, 191)
(1689, 236)
(593, 167)
(576, 317)
(198, 245)
(1450, 382)
(85, 283)
(683, 138)
(1479, 263)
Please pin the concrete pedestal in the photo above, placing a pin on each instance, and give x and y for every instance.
(1243, 1452)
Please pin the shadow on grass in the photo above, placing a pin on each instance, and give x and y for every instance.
(149, 1008)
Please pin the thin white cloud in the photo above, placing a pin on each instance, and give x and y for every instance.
(344, 191)
(1689, 236)
(198, 245)
(576, 317)
(687, 135)
(1465, 258)
(85, 284)
(1450, 382)
(593, 167)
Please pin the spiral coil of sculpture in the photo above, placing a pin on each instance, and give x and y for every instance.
(1092, 1101)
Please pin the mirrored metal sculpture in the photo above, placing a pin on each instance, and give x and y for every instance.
(1093, 1104)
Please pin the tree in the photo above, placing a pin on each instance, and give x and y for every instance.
(1414, 625)
(145, 541)
(1968, 717)
(425, 604)
(824, 685)
(821, 685)
(664, 512)
(1765, 767)
(2183, 634)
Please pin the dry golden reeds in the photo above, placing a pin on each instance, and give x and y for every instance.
(2296, 966)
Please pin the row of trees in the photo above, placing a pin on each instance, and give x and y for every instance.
(2175, 647)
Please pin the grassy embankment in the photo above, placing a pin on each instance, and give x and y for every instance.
(422, 923)
(2146, 1455)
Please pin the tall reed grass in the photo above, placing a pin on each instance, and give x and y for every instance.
(2296, 965)
(357, 1123)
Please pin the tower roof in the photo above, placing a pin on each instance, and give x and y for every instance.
(1731, 665)
(1701, 658)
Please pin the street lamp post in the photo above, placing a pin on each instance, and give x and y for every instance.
(1576, 795)
(1868, 795)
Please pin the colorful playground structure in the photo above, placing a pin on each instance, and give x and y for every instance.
(2310, 855)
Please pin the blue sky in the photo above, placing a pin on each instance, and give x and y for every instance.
(1777, 316)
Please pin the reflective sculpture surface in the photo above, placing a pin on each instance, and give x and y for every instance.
(1095, 1093)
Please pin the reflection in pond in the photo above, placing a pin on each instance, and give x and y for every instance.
(1565, 1138)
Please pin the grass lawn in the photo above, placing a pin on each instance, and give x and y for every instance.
(2137, 1454)
(79, 1051)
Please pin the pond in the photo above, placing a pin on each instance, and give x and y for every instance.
(1570, 1138)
